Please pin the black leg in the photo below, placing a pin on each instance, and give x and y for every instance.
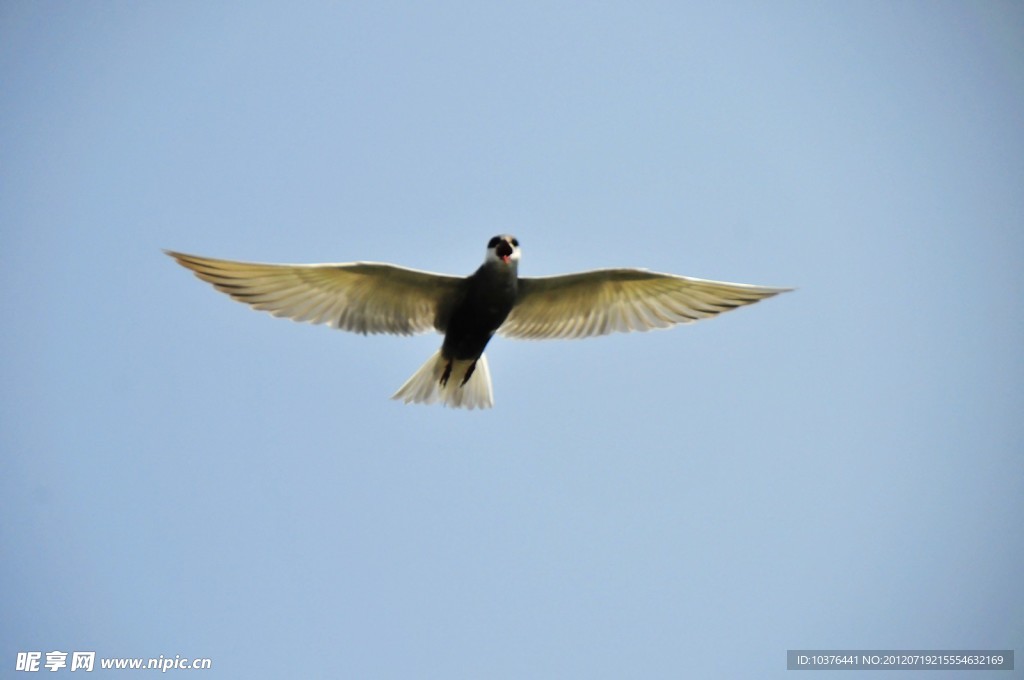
(447, 373)
(469, 372)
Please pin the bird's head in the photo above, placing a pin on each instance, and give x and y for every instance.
(503, 249)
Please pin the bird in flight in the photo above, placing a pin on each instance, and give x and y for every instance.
(371, 297)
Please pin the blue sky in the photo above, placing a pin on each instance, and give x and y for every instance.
(839, 467)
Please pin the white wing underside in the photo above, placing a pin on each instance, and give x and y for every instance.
(363, 297)
(370, 297)
(609, 300)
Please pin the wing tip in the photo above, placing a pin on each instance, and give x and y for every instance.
(779, 291)
(178, 256)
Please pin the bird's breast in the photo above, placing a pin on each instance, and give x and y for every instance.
(487, 299)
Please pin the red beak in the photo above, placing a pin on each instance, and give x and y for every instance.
(504, 251)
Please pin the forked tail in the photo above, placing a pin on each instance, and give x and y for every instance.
(424, 387)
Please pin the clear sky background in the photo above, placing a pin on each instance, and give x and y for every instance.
(838, 467)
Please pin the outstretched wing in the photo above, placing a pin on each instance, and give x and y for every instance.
(606, 300)
(364, 297)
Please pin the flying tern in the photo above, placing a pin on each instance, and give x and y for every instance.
(371, 297)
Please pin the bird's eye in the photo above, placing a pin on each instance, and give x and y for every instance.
(493, 243)
(515, 242)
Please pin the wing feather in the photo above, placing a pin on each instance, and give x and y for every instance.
(606, 300)
(363, 297)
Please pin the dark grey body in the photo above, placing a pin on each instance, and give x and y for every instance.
(484, 301)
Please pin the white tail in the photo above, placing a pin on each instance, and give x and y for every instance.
(424, 387)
